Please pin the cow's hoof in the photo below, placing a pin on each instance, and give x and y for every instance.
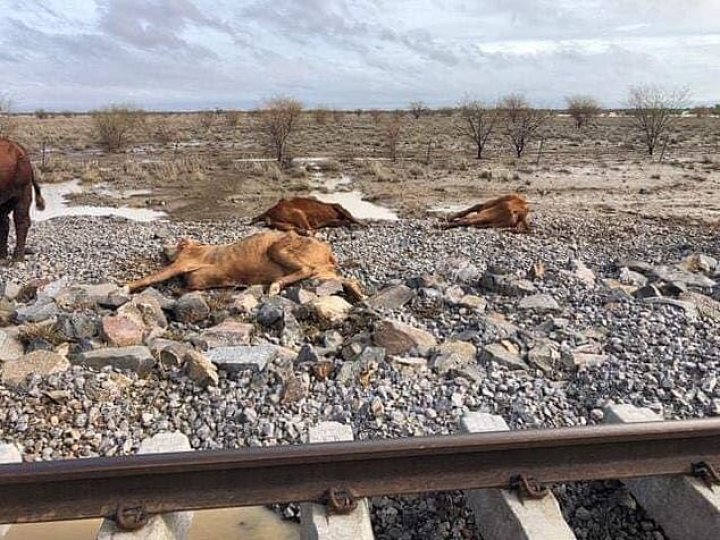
(274, 289)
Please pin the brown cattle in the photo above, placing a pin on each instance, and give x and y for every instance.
(507, 212)
(303, 214)
(17, 182)
(269, 258)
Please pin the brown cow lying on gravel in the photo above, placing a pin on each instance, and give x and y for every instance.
(303, 214)
(17, 182)
(507, 212)
(270, 258)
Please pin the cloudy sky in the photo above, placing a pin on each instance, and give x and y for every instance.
(188, 54)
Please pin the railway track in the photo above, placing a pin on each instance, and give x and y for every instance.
(339, 475)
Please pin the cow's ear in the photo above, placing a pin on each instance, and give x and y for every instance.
(183, 243)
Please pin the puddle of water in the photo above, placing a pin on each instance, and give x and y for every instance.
(56, 205)
(249, 523)
(321, 182)
(353, 202)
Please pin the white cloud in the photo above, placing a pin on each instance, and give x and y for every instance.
(204, 53)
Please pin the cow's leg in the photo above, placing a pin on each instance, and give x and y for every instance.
(177, 268)
(281, 253)
(4, 232)
(21, 217)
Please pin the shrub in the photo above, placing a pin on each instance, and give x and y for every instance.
(115, 124)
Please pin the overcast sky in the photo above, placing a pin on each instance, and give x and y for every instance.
(188, 54)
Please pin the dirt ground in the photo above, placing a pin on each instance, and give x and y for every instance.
(192, 171)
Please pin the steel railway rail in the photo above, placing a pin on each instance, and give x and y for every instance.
(131, 488)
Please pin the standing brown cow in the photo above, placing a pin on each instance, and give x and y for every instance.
(304, 214)
(17, 183)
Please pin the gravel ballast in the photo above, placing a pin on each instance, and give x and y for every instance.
(586, 341)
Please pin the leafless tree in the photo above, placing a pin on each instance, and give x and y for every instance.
(582, 109)
(418, 109)
(522, 121)
(393, 129)
(279, 117)
(115, 124)
(477, 123)
(233, 118)
(654, 110)
(7, 122)
(206, 119)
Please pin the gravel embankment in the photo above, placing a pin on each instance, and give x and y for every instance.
(544, 352)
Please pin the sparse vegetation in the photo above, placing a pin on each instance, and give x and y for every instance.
(654, 110)
(393, 128)
(7, 122)
(418, 109)
(522, 121)
(115, 124)
(279, 117)
(582, 109)
(477, 123)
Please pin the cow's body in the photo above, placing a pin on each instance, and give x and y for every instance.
(507, 212)
(269, 258)
(17, 183)
(303, 214)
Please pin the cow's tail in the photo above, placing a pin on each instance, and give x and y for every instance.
(39, 201)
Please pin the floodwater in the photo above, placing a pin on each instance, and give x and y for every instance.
(56, 204)
(249, 523)
(353, 202)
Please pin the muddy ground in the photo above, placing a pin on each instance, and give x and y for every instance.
(194, 172)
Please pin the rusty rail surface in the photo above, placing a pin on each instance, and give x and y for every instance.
(158, 483)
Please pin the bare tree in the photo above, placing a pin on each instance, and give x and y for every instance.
(206, 119)
(522, 121)
(582, 109)
(115, 124)
(233, 118)
(654, 110)
(393, 129)
(477, 123)
(418, 109)
(7, 122)
(279, 117)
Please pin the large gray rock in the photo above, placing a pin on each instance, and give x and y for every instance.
(333, 309)
(400, 338)
(191, 308)
(74, 326)
(705, 306)
(201, 369)
(498, 353)
(539, 302)
(138, 359)
(241, 358)
(691, 279)
(39, 362)
(544, 356)
(41, 310)
(11, 347)
(688, 308)
(392, 297)
(228, 333)
(507, 285)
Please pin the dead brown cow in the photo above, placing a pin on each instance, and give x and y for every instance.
(303, 214)
(269, 258)
(507, 212)
(17, 182)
